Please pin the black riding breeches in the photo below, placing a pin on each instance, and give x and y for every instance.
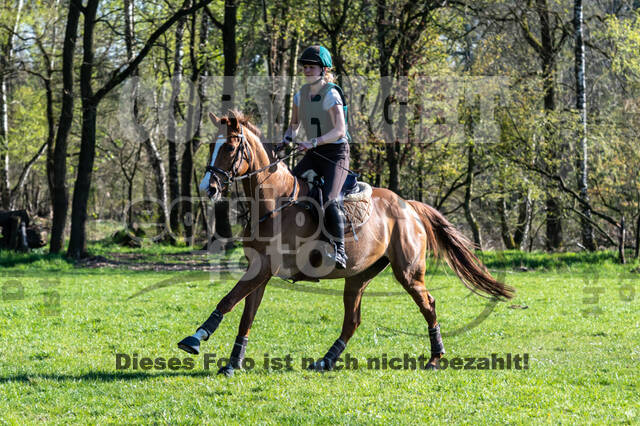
(334, 174)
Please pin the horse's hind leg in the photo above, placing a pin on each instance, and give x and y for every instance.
(409, 268)
(427, 304)
(251, 305)
(353, 289)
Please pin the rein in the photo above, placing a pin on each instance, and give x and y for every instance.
(351, 172)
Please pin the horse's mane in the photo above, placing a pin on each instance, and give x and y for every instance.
(236, 117)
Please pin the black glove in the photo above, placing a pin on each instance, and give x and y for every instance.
(282, 145)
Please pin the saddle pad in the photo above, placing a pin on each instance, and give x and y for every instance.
(357, 205)
(362, 193)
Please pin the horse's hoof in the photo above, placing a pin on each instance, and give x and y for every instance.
(190, 344)
(227, 370)
(321, 365)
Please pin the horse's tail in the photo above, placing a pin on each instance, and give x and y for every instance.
(441, 235)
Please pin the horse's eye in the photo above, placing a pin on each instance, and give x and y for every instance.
(227, 148)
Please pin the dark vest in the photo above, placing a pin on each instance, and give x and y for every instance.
(315, 120)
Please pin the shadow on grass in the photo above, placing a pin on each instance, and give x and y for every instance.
(115, 376)
(104, 376)
(9, 259)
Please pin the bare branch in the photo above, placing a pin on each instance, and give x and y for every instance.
(130, 66)
(25, 172)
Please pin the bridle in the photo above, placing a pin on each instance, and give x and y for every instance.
(224, 178)
(228, 177)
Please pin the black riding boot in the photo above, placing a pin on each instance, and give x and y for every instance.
(334, 222)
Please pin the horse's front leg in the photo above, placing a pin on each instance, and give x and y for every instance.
(251, 305)
(257, 275)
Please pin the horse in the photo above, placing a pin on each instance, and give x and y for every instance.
(398, 232)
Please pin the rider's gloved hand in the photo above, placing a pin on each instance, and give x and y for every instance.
(282, 145)
(304, 146)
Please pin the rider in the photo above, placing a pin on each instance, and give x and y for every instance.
(320, 107)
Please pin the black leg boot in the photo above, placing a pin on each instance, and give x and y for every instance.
(334, 222)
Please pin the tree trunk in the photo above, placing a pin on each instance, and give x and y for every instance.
(174, 184)
(77, 239)
(507, 238)
(221, 209)
(291, 72)
(59, 195)
(524, 222)
(637, 253)
(554, 224)
(155, 159)
(4, 142)
(621, 243)
(129, 212)
(51, 130)
(230, 54)
(378, 177)
(385, 51)
(5, 64)
(194, 116)
(473, 224)
(547, 56)
(49, 62)
(153, 154)
(272, 56)
(581, 105)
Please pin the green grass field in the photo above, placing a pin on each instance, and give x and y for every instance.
(59, 340)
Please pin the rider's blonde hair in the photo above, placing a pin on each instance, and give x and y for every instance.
(328, 75)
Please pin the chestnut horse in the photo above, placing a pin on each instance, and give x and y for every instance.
(398, 232)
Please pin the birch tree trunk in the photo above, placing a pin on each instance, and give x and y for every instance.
(581, 105)
(5, 65)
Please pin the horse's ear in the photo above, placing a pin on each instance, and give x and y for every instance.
(215, 120)
(234, 121)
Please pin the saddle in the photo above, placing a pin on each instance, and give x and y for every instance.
(355, 197)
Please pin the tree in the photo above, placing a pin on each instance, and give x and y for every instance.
(581, 106)
(6, 56)
(194, 118)
(152, 150)
(547, 46)
(176, 78)
(60, 197)
(399, 27)
(230, 52)
(90, 102)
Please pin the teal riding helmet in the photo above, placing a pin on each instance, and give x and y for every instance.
(316, 55)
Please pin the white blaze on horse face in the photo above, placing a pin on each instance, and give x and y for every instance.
(204, 183)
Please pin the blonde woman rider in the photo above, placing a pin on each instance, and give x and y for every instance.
(320, 107)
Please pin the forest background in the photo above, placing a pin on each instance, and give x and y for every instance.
(518, 120)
